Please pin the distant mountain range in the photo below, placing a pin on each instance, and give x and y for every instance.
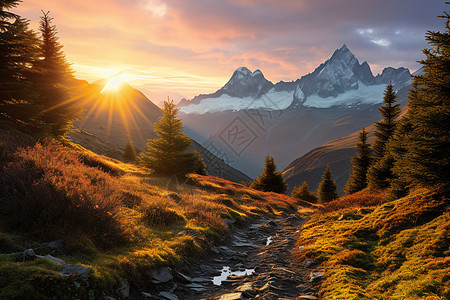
(250, 116)
(341, 81)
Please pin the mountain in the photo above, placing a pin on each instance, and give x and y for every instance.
(337, 153)
(340, 81)
(118, 115)
(291, 118)
(111, 118)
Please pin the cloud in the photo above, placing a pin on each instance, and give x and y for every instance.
(204, 41)
(156, 7)
(381, 42)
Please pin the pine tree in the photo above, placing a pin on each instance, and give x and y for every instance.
(53, 80)
(270, 179)
(129, 153)
(361, 163)
(19, 52)
(422, 151)
(327, 187)
(385, 128)
(302, 192)
(167, 155)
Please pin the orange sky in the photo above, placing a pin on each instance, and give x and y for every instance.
(183, 48)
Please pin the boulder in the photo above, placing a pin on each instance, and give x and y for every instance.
(27, 255)
(76, 270)
(168, 295)
(162, 275)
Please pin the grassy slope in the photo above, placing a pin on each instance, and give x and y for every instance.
(398, 250)
(112, 216)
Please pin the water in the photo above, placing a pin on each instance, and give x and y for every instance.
(269, 240)
(226, 271)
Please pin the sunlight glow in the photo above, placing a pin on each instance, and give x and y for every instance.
(113, 84)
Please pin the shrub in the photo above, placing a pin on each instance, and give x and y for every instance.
(46, 191)
(302, 192)
(160, 214)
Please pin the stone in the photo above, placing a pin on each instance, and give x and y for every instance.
(185, 277)
(308, 263)
(199, 279)
(307, 297)
(162, 275)
(168, 295)
(28, 255)
(54, 245)
(53, 259)
(246, 287)
(315, 275)
(146, 295)
(232, 296)
(124, 288)
(76, 270)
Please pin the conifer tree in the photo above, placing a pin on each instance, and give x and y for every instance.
(54, 79)
(129, 153)
(361, 163)
(167, 155)
(19, 52)
(385, 128)
(302, 192)
(270, 179)
(327, 187)
(422, 150)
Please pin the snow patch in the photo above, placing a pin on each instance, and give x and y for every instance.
(363, 95)
(272, 100)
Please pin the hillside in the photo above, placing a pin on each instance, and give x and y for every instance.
(110, 219)
(337, 153)
(396, 250)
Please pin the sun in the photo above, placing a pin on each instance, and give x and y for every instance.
(113, 84)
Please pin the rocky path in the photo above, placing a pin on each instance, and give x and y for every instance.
(256, 264)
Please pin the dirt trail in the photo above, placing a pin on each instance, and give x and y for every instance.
(262, 253)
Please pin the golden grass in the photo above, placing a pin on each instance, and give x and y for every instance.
(398, 250)
(113, 216)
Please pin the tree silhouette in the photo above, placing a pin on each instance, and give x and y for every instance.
(361, 163)
(327, 187)
(19, 52)
(421, 149)
(302, 192)
(54, 80)
(167, 155)
(270, 180)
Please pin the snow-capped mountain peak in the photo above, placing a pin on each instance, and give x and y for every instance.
(244, 83)
(340, 81)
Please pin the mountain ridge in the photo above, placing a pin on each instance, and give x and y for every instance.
(341, 73)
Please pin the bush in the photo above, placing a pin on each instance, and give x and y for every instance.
(159, 214)
(302, 192)
(47, 192)
(364, 198)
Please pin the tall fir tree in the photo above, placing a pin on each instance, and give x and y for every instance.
(361, 163)
(54, 80)
(270, 180)
(167, 155)
(302, 192)
(327, 187)
(385, 128)
(421, 150)
(19, 53)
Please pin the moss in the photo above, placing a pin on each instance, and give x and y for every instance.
(397, 251)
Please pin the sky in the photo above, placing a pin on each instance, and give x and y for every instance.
(182, 48)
